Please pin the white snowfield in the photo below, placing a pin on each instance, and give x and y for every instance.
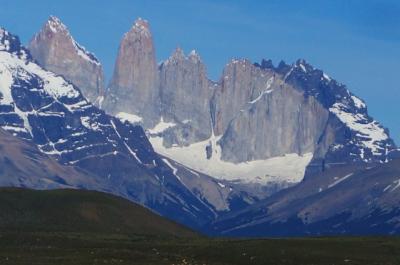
(285, 169)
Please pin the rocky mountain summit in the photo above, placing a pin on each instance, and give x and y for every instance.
(55, 49)
(134, 82)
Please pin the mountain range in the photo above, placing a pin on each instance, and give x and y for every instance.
(45, 109)
(265, 150)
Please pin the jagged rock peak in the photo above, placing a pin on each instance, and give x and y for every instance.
(141, 27)
(7, 40)
(193, 55)
(179, 55)
(11, 43)
(239, 62)
(54, 48)
(304, 66)
(141, 23)
(55, 25)
(135, 76)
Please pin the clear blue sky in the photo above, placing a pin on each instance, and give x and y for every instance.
(355, 41)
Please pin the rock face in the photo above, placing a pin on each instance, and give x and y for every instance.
(184, 97)
(55, 49)
(175, 92)
(256, 120)
(134, 82)
(48, 111)
(268, 117)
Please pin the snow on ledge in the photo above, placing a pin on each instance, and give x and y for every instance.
(131, 118)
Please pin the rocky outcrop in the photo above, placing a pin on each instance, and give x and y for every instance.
(133, 88)
(260, 116)
(185, 98)
(280, 121)
(176, 92)
(56, 50)
(241, 83)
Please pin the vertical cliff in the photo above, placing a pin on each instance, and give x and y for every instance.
(134, 86)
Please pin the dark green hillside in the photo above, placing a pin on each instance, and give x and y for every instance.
(80, 211)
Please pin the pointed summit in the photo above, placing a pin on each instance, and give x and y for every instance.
(185, 95)
(140, 27)
(56, 50)
(194, 56)
(177, 55)
(179, 52)
(142, 24)
(55, 25)
(133, 86)
(304, 66)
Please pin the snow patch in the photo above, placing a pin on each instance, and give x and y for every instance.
(132, 118)
(221, 185)
(337, 181)
(84, 54)
(358, 102)
(303, 68)
(161, 127)
(327, 77)
(174, 169)
(267, 90)
(126, 145)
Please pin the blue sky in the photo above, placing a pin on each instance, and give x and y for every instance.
(356, 42)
